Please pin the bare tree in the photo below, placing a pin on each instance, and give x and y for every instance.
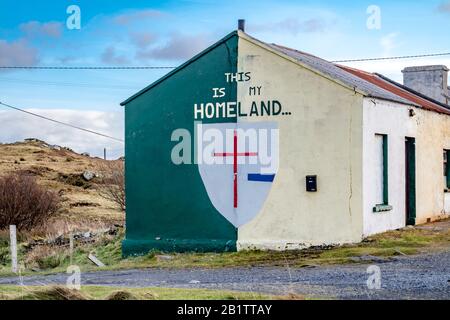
(25, 203)
(112, 182)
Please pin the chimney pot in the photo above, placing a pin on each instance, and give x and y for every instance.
(431, 81)
(241, 25)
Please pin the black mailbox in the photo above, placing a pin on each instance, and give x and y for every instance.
(311, 183)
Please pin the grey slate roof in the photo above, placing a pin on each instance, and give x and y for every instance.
(334, 72)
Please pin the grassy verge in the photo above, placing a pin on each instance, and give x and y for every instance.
(111, 293)
(407, 241)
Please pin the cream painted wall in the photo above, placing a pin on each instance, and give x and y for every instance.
(433, 137)
(323, 137)
(432, 133)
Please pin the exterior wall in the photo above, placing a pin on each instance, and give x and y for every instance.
(323, 137)
(392, 119)
(432, 133)
(433, 138)
(168, 207)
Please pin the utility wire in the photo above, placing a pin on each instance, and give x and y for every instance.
(84, 68)
(169, 67)
(60, 122)
(69, 84)
(395, 58)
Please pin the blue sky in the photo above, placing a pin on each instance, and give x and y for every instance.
(166, 33)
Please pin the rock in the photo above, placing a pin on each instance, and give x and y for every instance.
(86, 154)
(88, 175)
(55, 147)
(163, 257)
(32, 140)
(194, 282)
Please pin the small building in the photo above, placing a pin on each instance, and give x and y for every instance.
(251, 145)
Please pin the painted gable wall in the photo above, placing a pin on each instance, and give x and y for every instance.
(167, 204)
(322, 136)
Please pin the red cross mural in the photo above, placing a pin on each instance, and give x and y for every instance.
(235, 154)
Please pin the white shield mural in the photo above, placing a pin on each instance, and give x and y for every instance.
(238, 163)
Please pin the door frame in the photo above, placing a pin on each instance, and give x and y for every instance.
(410, 180)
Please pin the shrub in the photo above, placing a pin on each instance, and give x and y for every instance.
(112, 183)
(24, 203)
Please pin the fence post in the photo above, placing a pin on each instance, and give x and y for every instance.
(13, 242)
(71, 248)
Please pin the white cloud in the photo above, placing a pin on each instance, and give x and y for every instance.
(110, 56)
(388, 43)
(17, 53)
(142, 39)
(178, 47)
(136, 16)
(50, 29)
(293, 26)
(16, 126)
(444, 7)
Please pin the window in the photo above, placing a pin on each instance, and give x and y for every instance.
(447, 168)
(382, 174)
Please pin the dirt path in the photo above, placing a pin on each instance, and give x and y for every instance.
(417, 277)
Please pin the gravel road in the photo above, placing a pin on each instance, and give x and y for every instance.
(417, 277)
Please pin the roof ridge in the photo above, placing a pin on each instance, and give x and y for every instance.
(299, 51)
(412, 91)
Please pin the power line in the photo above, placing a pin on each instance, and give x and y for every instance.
(68, 84)
(395, 58)
(86, 67)
(170, 67)
(60, 122)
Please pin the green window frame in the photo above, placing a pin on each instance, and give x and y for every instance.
(385, 170)
(447, 168)
(385, 205)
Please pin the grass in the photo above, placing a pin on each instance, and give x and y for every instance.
(108, 250)
(114, 293)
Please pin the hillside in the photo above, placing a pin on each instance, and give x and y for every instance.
(61, 169)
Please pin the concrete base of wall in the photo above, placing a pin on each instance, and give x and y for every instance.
(283, 245)
(141, 247)
(432, 219)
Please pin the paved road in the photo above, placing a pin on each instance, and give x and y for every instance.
(418, 277)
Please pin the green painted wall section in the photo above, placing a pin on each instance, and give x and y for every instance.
(167, 205)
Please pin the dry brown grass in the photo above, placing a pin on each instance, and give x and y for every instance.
(54, 293)
(47, 166)
(121, 295)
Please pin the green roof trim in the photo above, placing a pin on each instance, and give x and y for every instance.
(213, 46)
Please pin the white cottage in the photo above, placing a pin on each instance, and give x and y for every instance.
(378, 150)
(358, 154)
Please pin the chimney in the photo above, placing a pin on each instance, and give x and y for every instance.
(431, 81)
(241, 25)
